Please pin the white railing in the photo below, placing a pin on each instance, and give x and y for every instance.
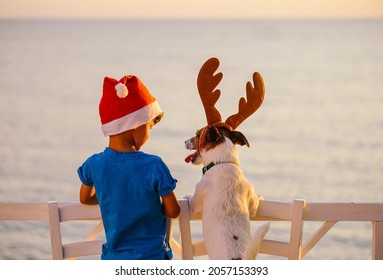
(297, 213)
(56, 213)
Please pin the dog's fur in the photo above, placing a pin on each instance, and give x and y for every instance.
(223, 196)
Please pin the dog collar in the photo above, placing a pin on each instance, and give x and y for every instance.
(211, 164)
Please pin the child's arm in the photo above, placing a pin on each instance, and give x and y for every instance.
(88, 195)
(171, 207)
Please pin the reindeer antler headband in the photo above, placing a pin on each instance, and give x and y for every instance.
(207, 81)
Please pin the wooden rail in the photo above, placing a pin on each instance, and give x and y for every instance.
(297, 213)
(54, 214)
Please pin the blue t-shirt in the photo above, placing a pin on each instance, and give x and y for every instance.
(128, 188)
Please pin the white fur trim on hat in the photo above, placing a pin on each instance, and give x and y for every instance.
(132, 120)
(121, 90)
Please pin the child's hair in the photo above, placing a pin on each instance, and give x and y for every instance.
(126, 104)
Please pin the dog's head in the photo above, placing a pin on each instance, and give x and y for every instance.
(217, 132)
(208, 138)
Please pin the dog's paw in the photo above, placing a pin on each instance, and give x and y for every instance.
(260, 197)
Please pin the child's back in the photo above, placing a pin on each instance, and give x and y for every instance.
(134, 189)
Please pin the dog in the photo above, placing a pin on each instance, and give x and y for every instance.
(223, 196)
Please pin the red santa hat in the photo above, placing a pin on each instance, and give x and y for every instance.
(126, 104)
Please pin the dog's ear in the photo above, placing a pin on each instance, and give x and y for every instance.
(214, 135)
(238, 138)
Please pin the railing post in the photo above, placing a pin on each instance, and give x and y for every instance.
(185, 231)
(55, 231)
(377, 240)
(295, 251)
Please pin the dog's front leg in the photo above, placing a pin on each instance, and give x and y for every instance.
(253, 201)
(196, 201)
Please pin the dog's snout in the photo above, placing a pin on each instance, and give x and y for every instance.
(189, 144)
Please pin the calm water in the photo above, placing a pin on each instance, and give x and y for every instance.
(318, 135)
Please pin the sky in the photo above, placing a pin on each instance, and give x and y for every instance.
(180, 9)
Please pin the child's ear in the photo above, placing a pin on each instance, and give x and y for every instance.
(238, 138)
(213, 135)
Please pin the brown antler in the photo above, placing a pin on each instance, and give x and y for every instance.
(254, 96)
(206, 83)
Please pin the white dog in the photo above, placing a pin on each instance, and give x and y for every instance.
(224, 197)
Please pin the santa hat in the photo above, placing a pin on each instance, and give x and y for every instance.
(126, 104)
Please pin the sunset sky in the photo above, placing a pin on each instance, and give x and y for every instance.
(212, 9)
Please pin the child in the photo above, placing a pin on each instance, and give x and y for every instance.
(134, 189)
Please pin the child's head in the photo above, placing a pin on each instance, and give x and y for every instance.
(127, 104)
(133, 139)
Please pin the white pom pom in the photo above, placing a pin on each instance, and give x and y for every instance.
(121, 90)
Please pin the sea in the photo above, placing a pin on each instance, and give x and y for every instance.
(318, 135)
